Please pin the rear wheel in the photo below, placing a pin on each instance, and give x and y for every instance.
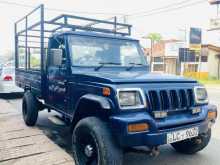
(30, 109)
(193, 145)
(93, 144)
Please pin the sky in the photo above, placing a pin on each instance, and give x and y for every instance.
(169, 24)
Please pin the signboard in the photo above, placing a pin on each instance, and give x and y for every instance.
(195, 39)
(214, 2)
(187, 55)
(196, 47)
(214, 23)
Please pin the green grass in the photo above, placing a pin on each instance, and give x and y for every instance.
(206, 81)
(209, 82)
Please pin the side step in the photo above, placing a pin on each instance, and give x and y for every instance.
(57, 120)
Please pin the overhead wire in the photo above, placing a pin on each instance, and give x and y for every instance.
(170, 9)
(58, 10)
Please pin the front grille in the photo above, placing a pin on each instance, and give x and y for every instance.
(168, 100)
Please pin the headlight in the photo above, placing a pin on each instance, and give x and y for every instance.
(131, 98)
(201, 96)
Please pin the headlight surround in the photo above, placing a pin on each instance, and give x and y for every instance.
(201, 95)
(131, 98)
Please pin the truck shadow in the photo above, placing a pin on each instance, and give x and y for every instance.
(62, 137)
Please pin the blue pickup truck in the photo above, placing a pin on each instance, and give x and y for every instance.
(96, 77)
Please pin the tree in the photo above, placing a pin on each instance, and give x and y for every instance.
(154, 37)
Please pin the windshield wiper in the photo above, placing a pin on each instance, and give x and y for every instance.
(133, 65)
(102, 64)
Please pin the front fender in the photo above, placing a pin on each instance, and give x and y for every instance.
(103, 102)
(92, 105)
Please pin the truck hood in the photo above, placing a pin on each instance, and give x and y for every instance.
(131, 77)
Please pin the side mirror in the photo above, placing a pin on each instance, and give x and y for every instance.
(56, 57)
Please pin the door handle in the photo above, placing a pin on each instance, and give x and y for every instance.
(61, 83)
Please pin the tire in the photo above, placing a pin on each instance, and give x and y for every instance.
(93, 144)
(30, 109)
(193, 145)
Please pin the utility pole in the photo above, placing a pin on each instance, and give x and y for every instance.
(125, 19)
(185, 52)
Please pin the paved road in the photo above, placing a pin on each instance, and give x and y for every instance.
(209, 156)
(22, 145)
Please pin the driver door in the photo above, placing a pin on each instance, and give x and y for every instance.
(57, 78)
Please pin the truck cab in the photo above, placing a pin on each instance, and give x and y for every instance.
(100, 83)
(83, 58)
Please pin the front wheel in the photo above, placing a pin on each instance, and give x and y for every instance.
(193, 145)
(93, 144)
(30, 109)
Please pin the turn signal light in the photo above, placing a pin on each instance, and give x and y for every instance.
(106, 91)
(212, 115)
(138, 127)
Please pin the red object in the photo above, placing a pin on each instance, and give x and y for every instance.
(8, 78)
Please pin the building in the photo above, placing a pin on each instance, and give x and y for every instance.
(170, 56)
(213, 60)
(206, 64)
(165, 55)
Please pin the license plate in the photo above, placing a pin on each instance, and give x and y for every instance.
(182, 135)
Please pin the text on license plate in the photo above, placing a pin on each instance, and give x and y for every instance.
(182, 135)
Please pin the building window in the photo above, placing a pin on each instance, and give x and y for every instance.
(158, 67)
(158, 59)
(191, 68)
(204, 58)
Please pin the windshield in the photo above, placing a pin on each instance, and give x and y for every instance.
(93, 51)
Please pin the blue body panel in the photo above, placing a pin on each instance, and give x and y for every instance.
(29, 80)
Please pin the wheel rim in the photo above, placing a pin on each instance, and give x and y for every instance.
(86, 149)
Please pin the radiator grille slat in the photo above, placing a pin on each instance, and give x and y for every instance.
(183, 98)
(154, 99)
(164, 100)
(174, 99)
(190, 97)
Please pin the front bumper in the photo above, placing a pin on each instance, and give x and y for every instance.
(157, 134)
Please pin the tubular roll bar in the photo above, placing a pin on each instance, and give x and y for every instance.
(24, 33)
(61, 22)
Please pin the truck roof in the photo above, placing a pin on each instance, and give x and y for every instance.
(93, 34)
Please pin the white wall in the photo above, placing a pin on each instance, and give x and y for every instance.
(172, 49)
(212, 64)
